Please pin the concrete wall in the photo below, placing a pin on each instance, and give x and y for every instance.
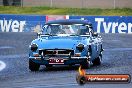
(1, 2)
(72, 3)
(10, 3)
(80, 3)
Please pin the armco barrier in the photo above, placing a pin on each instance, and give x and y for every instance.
(34, 23)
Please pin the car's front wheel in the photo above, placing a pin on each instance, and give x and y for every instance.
(33, 66)
(97, 61)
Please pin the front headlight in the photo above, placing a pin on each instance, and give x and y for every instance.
(34, 47)
(80, 47)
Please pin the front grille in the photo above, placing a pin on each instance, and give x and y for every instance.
(56, 52)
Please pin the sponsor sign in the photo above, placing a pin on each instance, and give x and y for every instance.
(34, 23)
(21, 23)
(82, 77)
(108, 24)
(55, 17)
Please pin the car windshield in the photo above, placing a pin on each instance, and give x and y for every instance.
(73, 29)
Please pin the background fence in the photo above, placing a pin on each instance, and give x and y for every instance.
(70, 3)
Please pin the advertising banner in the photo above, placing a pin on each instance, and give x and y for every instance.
(21, 23)
(109, 24)
(55, 17)
(34, 23)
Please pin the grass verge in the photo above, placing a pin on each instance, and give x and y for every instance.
(65, 11)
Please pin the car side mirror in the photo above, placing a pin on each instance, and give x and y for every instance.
(95, 34)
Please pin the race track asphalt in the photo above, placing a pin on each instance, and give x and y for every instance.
(14, 72)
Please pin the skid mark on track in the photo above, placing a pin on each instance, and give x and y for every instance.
(2, 65)
(6, 47)
(119, 49)
(14, 56)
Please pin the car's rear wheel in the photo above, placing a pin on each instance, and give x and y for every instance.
(33, 66)
(97, 61)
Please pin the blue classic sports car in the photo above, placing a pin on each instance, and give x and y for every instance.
(66, 42)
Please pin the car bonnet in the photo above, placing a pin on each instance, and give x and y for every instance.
(57, 42)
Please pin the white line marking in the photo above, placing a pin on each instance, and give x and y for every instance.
(2, 65)
(53, 85)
